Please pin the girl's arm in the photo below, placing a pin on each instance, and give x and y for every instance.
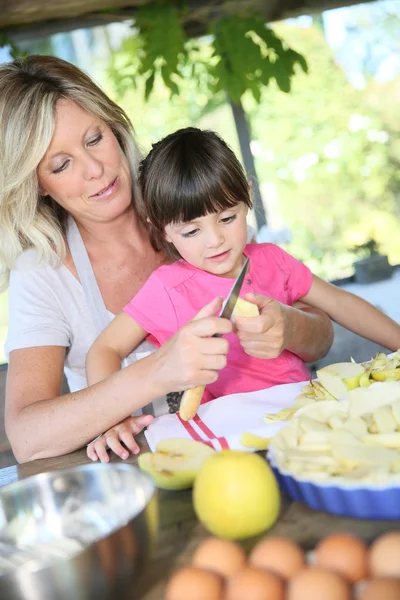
(354, 313)
(41, 423)
(114, 344)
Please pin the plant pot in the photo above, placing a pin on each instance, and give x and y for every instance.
(373, 268)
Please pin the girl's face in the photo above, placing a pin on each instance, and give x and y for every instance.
(84, 168)
(213, 243)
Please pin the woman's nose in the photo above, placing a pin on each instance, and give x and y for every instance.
(93, 168)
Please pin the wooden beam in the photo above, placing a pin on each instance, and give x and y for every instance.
(29, 19)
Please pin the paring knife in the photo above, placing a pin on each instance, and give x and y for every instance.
(190, 399)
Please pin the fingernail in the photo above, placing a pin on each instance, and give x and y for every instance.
(124, 455)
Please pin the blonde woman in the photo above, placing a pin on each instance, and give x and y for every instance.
(78, 252)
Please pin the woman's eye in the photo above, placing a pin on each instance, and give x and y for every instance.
(61, 168)
(96, 140)
(229, 219)
(190, 233)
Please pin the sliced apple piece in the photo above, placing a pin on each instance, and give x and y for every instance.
(175, 463)
(243, 308)
(333, 383)
(353, 456)
(250, 440)
(367, 400)
(315, 441)
(396, 412)
(390, 440)
(384, 419)
(338, 378)
(356, 426)
(335, 422)
(308, 424)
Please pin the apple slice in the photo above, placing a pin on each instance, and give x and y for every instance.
(390, 440)
(396, 412)
(384, 419)
(175, 463)
(243, 308)
(338, 378)
(356, 425)
(251, 440)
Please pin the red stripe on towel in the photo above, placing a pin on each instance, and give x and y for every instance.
(192, 432)
(200, 423)
(224, 443)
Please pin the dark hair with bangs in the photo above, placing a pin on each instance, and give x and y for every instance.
(187, 175)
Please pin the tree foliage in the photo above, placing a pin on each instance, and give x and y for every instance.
(246, 53)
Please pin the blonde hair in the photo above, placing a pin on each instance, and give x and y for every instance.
(29, 91)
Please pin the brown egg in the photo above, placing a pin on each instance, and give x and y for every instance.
(384, 556)
(222, 556)
(255, 584)
(194, 584)
(380, 589)
(279, 555)
(344, 554)
(317, 584)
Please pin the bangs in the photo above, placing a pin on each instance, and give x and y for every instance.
(192, 201)
(190, 174)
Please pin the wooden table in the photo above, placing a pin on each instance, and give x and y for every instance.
(180, 532)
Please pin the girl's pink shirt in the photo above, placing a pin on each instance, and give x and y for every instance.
(175, 293)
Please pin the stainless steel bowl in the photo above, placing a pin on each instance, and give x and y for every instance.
(76, 534)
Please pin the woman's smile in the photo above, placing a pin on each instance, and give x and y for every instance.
(107, 191)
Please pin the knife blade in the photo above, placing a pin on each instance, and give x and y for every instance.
(230, 302)
(190, 399)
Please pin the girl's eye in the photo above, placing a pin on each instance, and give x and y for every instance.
(190, 233)
(96, 140)
(61, 168)
(229, 219)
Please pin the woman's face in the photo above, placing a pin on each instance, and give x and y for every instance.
(84, 169)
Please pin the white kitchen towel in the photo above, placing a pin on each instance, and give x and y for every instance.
(221, 422)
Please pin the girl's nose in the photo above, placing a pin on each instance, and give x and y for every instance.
(214, 237)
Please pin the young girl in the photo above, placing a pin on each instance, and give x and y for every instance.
(196, 198)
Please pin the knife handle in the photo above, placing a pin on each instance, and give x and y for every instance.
(190, 402)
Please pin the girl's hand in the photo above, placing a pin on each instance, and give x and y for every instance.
(111, 440)
(264, 336)
(192, 356)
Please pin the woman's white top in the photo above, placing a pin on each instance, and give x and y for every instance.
(48, 307)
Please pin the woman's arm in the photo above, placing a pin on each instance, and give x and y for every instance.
(354, 313)
(41, 423)
(301, 329)
(114, 344)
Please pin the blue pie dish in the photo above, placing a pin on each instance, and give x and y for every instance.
(355, 500)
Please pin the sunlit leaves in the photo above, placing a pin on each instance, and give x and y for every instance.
(163, 44)
(245, 54)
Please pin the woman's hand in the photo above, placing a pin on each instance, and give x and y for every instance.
(264, 336)
(123, 433)
(192, 356)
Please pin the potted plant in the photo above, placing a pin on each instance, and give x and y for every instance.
(371, 266)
